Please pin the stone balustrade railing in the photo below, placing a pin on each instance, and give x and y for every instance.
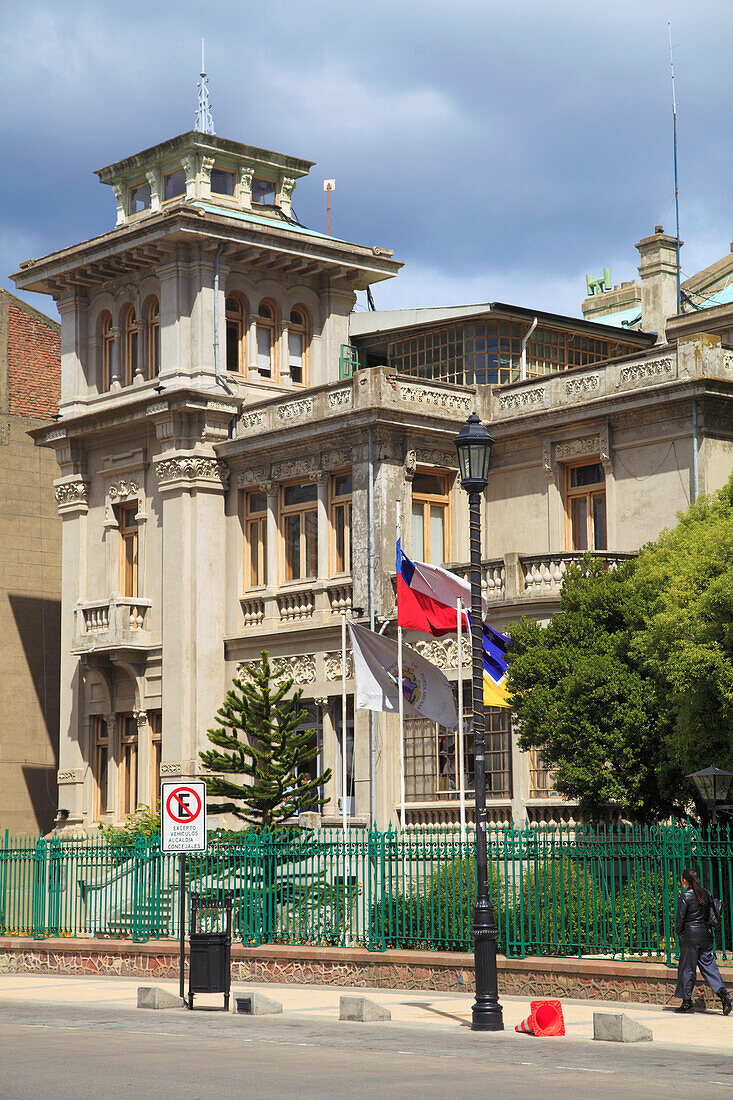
(532, 576)
(116, 622)
(318, 602)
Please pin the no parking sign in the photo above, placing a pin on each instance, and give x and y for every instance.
(183, 815)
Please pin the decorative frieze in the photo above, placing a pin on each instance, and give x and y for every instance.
(521, 398)
(339, 398)
(653, 368)
(190, 467)
(299, 467)
(252, 419)
(157, 407)
(332, 664)
(335, 460)
(444, 654)
(292, 409)
(587, 383)
(119, 490)
(301, 668)
(578, 448)
(57, 433)
(253, 476)
(73, 775)
(70, 493)
(435, 458)
(442, 398)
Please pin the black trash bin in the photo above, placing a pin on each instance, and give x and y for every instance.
(209, 964)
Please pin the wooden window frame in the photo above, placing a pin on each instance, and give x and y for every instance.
(259, 520)
(595, 489)
(153, 338)
(240, 320)
(134, 187)
(335, 504)
(167, 175)
(265, 179)
(428, 500)
(302, 329)
(536, 770)
(285, 510)
(132, 351)
(127, 772)
(222, 194)
(100, 741)
(129, 531)
(270, 325)
(155, 735)
(108, 339)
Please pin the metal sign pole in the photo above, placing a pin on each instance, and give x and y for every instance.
(182, 921)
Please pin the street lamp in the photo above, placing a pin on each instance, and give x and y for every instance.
(713, 785)
(474, 444)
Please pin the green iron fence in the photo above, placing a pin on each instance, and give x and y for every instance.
(565, 890)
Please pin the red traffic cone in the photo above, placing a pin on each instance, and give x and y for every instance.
(546, 1018)
(525, 1028)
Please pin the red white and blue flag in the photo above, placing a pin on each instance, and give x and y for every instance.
(427, 596)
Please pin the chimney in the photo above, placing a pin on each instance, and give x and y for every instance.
(658, 274)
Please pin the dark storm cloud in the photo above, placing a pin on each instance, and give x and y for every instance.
(501, 150)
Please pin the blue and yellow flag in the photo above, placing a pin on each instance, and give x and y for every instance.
(494, 653)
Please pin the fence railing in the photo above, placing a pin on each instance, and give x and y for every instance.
(557, 890)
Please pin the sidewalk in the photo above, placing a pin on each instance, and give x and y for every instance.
(703, 1031)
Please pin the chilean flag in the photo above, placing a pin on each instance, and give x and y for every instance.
(424, 596)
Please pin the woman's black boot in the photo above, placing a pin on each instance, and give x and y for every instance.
(686, 1006)
(725, 1000)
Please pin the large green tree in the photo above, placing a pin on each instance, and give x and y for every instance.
(261, 741)
(630, 686)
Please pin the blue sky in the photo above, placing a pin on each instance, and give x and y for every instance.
(502, 150)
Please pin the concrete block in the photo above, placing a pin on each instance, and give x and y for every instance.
(616, 1027)
(362, 1009)
(253, 1003)
(150, 996)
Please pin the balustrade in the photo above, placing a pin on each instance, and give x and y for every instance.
(296, 606)
(117, 621)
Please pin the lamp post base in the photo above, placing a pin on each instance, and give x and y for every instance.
(486, 1013)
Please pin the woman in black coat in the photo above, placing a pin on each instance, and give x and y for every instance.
(696, 944)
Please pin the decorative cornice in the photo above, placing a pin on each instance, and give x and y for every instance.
(253, 476)
(653, 368)
(521, 398)
(442, 398)
(71, 493)
(301, 668)
(118, 490)
(292, 409)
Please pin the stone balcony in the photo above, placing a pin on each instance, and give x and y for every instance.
(520, 578)
(318, 603)
(119, 622)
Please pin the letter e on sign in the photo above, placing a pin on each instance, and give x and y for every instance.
(183, 815)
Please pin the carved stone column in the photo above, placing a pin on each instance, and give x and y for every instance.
(246, 172)
(144, 794)
(115, 360)
(321, 480)
(283, 351)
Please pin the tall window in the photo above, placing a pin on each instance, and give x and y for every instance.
(540, 777)
(128, 549)
(340, 508)
(128, 764)
(174, 184)
(298, 346)
(235, 335)
(430, 518)
(155, 720)
(100, 765)
(585, 503)
(299, 519)
(139, 198)
(255, 566)
(153, 339)
(108, 339)
(130, 345)
(266, 323)
(431, 756)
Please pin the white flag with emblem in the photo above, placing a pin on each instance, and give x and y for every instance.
(427, 693)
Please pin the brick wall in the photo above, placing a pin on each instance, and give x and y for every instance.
(34, 362)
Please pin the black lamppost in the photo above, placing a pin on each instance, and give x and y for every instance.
(713, 784)
(474, 444)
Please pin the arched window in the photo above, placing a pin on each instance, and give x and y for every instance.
(266, 320)
(235, 335)
(298, 346)
(130, 345)
(153, 339)
(108, 339)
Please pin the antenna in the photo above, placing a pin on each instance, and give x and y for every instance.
(328, 187)
(676, 192)
(204, 122)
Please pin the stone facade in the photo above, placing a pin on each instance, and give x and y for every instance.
(30, 569)
(217, 397)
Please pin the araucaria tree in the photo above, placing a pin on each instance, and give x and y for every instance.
(259, 739)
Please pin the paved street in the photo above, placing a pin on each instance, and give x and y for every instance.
(76, 1049)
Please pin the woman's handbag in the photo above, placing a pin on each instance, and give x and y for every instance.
(715, 913)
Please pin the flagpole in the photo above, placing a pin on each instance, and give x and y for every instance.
(343, 720)
(461, 764)
(400, 690)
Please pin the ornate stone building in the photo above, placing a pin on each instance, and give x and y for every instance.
(233, 442)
